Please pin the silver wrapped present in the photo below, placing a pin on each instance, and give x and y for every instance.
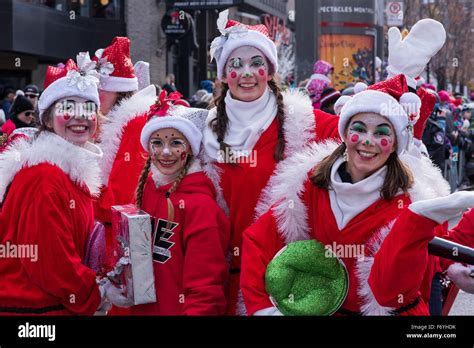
(134, 269)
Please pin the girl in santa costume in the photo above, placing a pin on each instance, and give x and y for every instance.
(253, 127)
(359, 193)
(46, 188)
(191, 231)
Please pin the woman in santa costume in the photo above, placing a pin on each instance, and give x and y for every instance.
(253, 127)
(46, 188)
(191, 231)
(359, 192)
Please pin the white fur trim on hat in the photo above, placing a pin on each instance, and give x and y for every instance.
(118, 84)
(61, 88)
(185, 126)
(379, 103)
(252, 38)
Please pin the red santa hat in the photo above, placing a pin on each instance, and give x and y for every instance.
(390, 99)
(70, 80)
(234, 35)
(172, 112)
(115, 67)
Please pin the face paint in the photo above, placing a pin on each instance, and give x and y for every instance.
(66, 117)
(247, 73)
(370, 140)
(169, 150)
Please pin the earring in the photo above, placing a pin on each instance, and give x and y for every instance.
(344, 156)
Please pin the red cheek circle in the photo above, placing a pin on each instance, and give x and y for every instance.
(354, 138)
(384, 142)
(183, 156)
(233, 74)
(67, 117)
(261, 72)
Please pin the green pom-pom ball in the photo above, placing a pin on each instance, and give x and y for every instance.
(305, 278)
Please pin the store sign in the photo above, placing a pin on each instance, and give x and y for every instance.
(358, 11)
(205, 4)
(394, 13)
(176, 24)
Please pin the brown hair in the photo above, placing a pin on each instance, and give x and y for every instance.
(398, 174)
(123, 95)
(221, 122)
(144, 176)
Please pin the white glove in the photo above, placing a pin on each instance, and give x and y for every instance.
(115, 295)
(268, 311)
(443, 208)
(410, 55)
(462, 276)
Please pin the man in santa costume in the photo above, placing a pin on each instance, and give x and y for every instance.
(359, 192)
(46, 186)
(119, 138)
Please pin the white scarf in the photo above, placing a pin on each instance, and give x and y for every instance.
(348, 200)
(247, 122)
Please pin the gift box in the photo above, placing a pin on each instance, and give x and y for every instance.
(134, 270)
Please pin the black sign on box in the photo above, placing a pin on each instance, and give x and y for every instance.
(176, 24)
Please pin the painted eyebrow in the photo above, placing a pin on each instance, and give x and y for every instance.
(360, 122)
(256, 57)
(384, 125)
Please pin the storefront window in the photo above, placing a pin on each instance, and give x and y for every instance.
(352, 57)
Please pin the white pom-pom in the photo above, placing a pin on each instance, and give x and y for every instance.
(340, 103)
(359, 87)
(411, 103)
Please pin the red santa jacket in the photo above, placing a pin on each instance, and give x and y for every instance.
(395, 239)
(124, 157)
(189, 259)
(240, 185)
(45, 189)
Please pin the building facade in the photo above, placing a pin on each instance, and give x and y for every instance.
(37, 33)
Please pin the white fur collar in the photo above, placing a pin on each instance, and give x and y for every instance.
(299, 130)
(79, 163)
(160, 179)
(117, 119)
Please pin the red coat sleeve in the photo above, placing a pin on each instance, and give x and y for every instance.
(260, 244)
(58, 269)
(462, 233)
(400, 264)
(326, 126)
(205, 268)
